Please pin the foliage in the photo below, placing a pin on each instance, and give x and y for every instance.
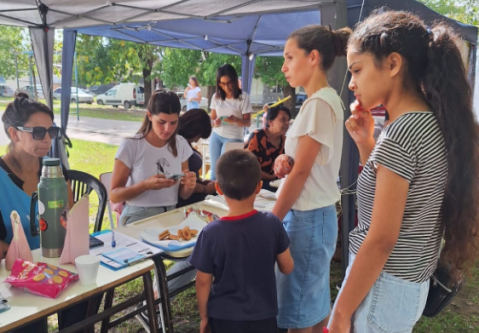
(268, 69)
(466, 11)
(178, 65)
(102, 60)
(13, 41)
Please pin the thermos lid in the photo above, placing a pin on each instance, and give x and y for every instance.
(51, 161)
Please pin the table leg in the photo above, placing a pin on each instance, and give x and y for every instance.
(162, 280)
(150, 303)
(108, 303)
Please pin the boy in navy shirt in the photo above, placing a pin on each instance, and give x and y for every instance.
(240, 251)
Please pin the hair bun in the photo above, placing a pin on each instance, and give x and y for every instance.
(20, 95)
(340, 40)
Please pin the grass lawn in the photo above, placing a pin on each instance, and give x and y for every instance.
(462, 315)
(92, 111)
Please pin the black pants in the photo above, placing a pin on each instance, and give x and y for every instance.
(230, 326)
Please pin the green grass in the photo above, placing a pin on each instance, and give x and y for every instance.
(93, 111)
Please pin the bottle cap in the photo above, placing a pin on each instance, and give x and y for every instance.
(51, 161)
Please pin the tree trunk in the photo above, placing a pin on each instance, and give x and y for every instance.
(290, 104)
(211, 90)
(147, 83)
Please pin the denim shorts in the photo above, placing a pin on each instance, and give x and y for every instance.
(132, 214)
(393, 305)
(303, 296)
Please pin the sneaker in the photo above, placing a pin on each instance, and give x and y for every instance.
(143, 317)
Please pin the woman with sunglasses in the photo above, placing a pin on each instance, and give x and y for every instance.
(29, 126)
(230, 112)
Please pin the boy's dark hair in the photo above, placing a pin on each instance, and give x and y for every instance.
(238, 173)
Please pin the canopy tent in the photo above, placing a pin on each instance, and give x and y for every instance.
(244, 27)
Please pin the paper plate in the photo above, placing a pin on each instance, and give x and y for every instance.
(150, 235)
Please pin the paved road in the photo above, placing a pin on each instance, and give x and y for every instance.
(98, 130)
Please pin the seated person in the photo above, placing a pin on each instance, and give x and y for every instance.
(236, 283)
(194, 125)
(144, 163)
(268, 143)
(29, 126)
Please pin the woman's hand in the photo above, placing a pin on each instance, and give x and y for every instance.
(189, 179)
(283, 165)
(204, 326)
(339, 325)
(360, 124)
(157, 182)
(230, 120)
(217, 122)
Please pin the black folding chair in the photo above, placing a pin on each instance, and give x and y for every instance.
(83, 183)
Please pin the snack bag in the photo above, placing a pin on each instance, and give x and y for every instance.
(40, 279)
(202, 214)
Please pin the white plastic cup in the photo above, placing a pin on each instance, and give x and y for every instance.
(87, 268)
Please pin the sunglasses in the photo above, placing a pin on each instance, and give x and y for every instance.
(38, 133)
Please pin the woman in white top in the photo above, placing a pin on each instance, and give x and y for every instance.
(230, 111)
(193, 94)
(307, 196)
(145, 163)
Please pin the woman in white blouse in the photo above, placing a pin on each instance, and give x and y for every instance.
(230, 112)
(193, 94)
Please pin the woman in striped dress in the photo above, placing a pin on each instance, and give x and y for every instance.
(420, 180)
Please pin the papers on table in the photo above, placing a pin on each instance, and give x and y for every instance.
(122, 241)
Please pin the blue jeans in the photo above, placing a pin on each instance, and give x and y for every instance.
(192, 105)
(303, 296)
(393, 305)
(217, 148)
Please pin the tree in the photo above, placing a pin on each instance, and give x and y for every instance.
(466, 11)
(13, 41)
(102, 60)
(269, 70)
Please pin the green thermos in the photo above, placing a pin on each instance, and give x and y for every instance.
(52, 197)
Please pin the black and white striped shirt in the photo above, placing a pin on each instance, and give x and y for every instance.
(412, 147)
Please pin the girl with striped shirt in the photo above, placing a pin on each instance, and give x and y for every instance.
(420, 180)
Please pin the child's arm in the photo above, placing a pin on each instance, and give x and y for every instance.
(203, 287)
(285, 262)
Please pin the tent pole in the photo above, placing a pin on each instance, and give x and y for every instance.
(76, 83)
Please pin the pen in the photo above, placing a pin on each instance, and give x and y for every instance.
(112, 227)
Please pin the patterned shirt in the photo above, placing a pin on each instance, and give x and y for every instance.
(259, 144)
(412, 147)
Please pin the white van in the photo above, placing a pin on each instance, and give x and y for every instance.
(126, 94)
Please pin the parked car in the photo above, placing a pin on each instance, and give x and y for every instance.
(82, 97)
(101, 89)
(6, 91)
(126, 94)
(29, 90)
(184, 102)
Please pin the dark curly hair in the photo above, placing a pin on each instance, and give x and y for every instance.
(19, 111)
(195, 122)
(435, 69)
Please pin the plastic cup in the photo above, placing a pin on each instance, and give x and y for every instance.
(87, 268)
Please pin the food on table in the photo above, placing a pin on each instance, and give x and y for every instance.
(40, 278)
(186, 234)
(163, 235)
